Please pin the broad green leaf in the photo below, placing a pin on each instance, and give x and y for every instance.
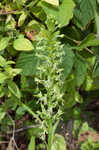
(59, 143)
(23, 44)
(39, 12)
(69, 90)
(33, 28)
(63, 13)
(78, 97)
(3, 77)
(10, 23)
(16, 71)
(28, 62)
(80, 71)
(20, 111)
(88, 83)
(4, 43)
(69, 101)
(76, 125)
(84, 128)
(2, 61)
(84, 12)
(22, 19)
(2, 113)
(14, 89)
(31, 145)
(90, 40)
(53, 2)
(68, 60)
(10, 62)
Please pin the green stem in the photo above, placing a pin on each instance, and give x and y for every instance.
(51, 135)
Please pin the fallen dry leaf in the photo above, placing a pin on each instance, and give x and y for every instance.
(84, 136)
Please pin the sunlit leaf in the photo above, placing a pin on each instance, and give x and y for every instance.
(23, 44)
(3, 77)
(14, 89)
(2, 113)
(4, 43)
(63, 13)
(22, 19)
(2, 61)
(58, 143)
(31, 145)
(53, 2)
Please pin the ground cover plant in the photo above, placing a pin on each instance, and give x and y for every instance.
(49, 74)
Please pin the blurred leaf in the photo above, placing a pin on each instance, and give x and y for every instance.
(23, 44)
(31, 145)
(36, 131)
(4, 43)
(84, 12)
(69, 101)
(80, 71)
(33, 26)
(39, 12)
(59, 143)
(28, 62)
(96, 70)
(3, 77)
(66, 8)
(78, 97)
(2, 61)
(20, 111)
(84, 128)
(2, 113)
(10, 23)
(88, 83)
(52, 2)
(68, 60)
(14, 89)
(77, 124)
(22, 19)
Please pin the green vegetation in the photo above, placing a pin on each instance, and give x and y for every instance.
(49, 72)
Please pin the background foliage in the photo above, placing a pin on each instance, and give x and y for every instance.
(49, 68)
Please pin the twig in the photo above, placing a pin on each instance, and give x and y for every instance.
(22, 129)
(13, 132)
(87, 49)
(78, 42)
